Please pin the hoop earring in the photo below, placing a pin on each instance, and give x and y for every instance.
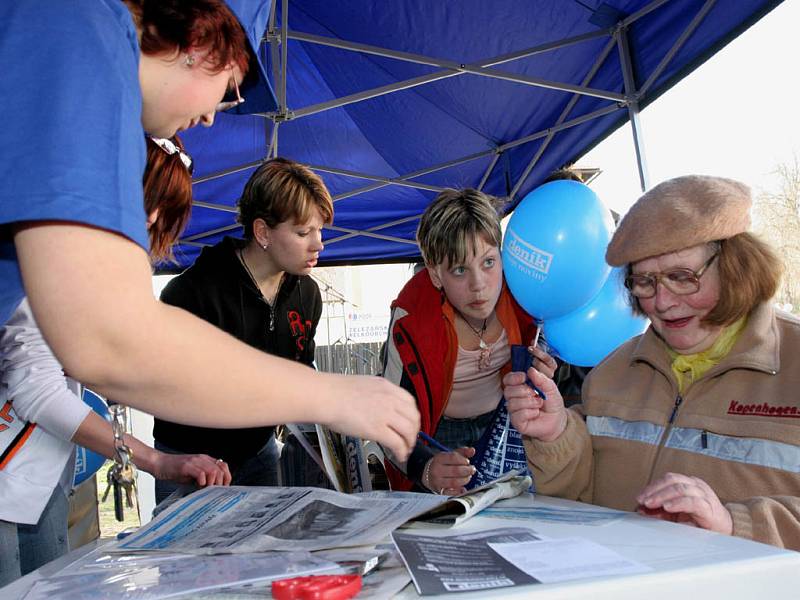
(189, 61)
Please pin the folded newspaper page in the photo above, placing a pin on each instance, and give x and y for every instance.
(220, 520)
(460, 508)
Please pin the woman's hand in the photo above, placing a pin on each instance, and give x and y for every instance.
(530, 414)
(543, 362)
(199, 469)
(448, 472)
(372, 408)
(685, 499)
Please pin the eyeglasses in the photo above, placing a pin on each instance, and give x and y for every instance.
(171, 148)
(678, 281)
(232, 97)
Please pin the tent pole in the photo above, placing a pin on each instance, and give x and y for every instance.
(451, 69)
(564, 114)
(201, 235)
(633, 106)
(501, 148)
(365, 233)
(687, 33)
(357, 232)
(284, 52)
(272, 151)
(360, 175)
(273, 51)
(489, 170)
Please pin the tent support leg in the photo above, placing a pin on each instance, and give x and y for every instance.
(633, 106)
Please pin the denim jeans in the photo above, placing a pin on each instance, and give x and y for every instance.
(25, 548)
(262, 469)
(457, 433)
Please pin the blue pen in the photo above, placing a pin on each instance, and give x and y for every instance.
(433, 442)
(521, 360)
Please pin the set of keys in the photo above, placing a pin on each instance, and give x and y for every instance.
(121, 476)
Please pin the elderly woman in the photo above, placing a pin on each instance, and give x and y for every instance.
(697, 420)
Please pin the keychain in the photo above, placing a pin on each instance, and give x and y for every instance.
(121, 476)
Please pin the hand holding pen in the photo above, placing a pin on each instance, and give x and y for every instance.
(534, 402)
(542, 360)
(449, 470)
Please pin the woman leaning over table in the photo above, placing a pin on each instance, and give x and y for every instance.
(697, 420)
(95, 77)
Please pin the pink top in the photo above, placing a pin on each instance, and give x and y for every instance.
(477, 386)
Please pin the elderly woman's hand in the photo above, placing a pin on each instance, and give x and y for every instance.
(530, 414)
(685, 499)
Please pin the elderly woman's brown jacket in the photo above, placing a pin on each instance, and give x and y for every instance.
(737, 427)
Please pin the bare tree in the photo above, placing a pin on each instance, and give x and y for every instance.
(777, 219)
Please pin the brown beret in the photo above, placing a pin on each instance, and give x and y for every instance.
(680, 213)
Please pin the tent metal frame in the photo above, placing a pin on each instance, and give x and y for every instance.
(277, 40)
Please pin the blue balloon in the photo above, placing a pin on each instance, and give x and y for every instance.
(554, 248)
(586, 336)
(87, 463)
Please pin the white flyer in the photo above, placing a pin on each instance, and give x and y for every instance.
(551, 561)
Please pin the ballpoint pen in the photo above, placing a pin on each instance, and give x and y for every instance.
(433, 442)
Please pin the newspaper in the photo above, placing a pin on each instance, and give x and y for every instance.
(342, 458)
(220, 520)
(462, 563)
(345, 461)
(460, 508)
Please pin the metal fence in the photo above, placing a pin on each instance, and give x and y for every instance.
(350, 358)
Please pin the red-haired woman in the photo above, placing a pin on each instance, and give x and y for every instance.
(168, 194)
(94, 77)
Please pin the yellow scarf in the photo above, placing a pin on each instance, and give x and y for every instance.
(689, 367)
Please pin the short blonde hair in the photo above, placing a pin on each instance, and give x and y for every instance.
(450, 225)
(282, 189)
(749, 274)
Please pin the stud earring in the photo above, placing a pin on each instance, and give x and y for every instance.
(190, 58)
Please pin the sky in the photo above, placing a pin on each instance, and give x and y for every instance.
(735, 116)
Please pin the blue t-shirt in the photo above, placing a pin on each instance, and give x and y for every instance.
(71, 144)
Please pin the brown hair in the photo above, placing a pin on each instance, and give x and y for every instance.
(175, 26)
(168, 188)
(281, 189)
(450, 225)
(749, 274)
(567, 173)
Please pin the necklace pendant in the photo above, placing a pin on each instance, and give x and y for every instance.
(482, 345)
(271, 319)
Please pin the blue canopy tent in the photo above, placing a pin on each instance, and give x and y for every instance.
(392, 101)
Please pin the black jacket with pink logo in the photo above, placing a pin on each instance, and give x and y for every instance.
(218, 289)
